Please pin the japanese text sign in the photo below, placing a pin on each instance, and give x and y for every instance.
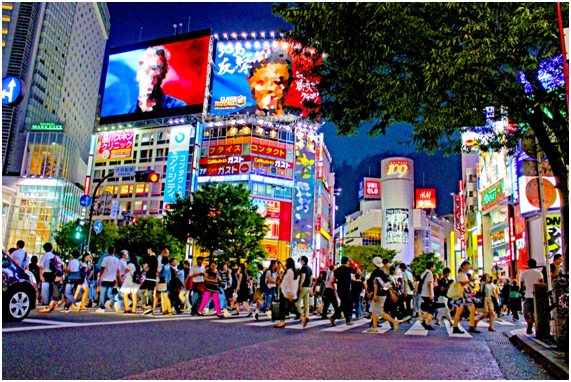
(115, 146)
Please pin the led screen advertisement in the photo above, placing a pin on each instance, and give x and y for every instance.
(159, 78)
(261, 77)
(114, 146)
(397, 227)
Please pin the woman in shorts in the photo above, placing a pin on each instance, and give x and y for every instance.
(465, 302)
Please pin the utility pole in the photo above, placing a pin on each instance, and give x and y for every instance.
(92, 204)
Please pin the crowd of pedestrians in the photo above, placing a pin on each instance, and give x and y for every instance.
(117, 282)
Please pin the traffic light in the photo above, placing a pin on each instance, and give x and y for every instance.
(78, 228)
(130, 218)
(147, 176)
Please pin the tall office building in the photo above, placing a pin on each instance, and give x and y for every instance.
(56, 50)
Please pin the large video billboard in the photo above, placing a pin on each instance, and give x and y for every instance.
(397, 229)
(261, 77)
(159, 78)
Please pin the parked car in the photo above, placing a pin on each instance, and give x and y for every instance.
(18, 290)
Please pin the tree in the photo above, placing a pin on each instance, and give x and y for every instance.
(66, 241)
(101, 241)
(137, 237)
(364, 255)
(219, 217)
(418, 264)
(438, 66)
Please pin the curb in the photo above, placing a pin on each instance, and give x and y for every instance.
(556, 363)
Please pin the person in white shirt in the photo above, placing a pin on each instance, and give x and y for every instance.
(289, 289)
(529, 278)
(20, 256)
(121, 268)
(198, 286)
(73, 280)
(427, 295)
(488, 289)
(47, 277)
(465, 302)
(408, 282)
(108, 276)
(129, 287)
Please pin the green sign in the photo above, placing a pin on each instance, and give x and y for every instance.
(493, 195)
(47, 126)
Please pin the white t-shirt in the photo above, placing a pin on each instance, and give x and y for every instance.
(73, 265)
(19, 256)
(122, 266)
(406, 277)
(128, 283)
(428, 277)
(45, 261)
(462, 277)
(529, 278)
(273, 276)
(489, 290)
(328, 280)
(195, 270)
(111, 264)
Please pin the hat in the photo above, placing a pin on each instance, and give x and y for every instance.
(378, 262)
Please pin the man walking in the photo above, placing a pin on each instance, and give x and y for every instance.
(529, 278)
(442, 287)
(147, 289)
(268, 285)
(198, 285)
(304, 289)
(122, 269)
(48, 277)
(408, 289)
(342, 276)
(427, 295)
(108, 277)
(20, 256)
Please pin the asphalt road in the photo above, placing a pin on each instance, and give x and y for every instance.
(118, 346)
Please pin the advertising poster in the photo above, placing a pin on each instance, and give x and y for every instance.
(397, 226)
(304, 203)
(261, 77)
(177, 163)
(554, 235)
(158, 78)
(117, 146)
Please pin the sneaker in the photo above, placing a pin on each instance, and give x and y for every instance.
(120, 311)
(457, 330)
(100, 310)
(148, 311)
(116, 306)
(65, 310)
(206, 312)
(226, 314)
(287, 317)
(349, 323)
(269, 314)
(52, 306)
(437, 323)
(424, 325)
(472, 330)
(332, 321)
(396, 326)
(75, 308)
(108, 305)
(372, 330)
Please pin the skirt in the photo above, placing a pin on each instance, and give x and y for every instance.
(378, 308)
(463, 302)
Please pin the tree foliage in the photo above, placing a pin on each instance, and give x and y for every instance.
(364, 255)
(137, 237)
(66, 241)
(418, 264)
(438, 66)
(221, 218)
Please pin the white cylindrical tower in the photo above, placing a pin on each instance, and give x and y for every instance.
(397, 196)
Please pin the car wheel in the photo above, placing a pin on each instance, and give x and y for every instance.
(18, 305)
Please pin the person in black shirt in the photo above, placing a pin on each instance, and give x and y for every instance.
(148, 285)
(356, 289)
(342, 276)
(440, 292)
(304, 289)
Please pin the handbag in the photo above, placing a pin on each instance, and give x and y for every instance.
(201, 287)
(393, 296)
(456, 291)
(162, 287)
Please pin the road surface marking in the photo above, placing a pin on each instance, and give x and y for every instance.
(385, 327)
(271, 323)
(236, 320)
(35, 321)
(449, 329)
(342, 328)
(417, 330)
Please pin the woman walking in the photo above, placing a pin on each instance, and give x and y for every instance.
(488, 289)
(131, 284)
(242, 292)
(212, 281)
(86, 268)
(289, 288)
(464, 302)
(515, 300)
(379, 297)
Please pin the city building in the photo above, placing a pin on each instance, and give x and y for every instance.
(56, 50)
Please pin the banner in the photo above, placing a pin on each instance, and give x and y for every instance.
(397, 225)
(426, 198)
(304, 203)
(177, 164)
(116, 146)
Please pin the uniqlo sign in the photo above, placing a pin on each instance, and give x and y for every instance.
(372, 188)
(426, 198)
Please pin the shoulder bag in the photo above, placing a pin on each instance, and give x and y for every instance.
(456, 291)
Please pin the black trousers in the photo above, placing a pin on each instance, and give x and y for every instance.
(408, 304)
(329, 298)
(346, 306)
(286, 307)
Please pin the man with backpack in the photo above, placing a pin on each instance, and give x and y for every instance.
(427, 295)
(51, 269)
(268, 284)
(20, 256)
(304, 289)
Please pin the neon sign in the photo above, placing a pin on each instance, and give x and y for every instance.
(399, 168)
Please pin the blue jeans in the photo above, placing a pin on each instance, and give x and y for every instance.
(357, 300)
(196, 299)
(106, 291)
(69, 291)
(92, 289)
(269, 296)
(119, 299)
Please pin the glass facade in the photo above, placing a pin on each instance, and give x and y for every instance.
(38, 209)
(49, 155)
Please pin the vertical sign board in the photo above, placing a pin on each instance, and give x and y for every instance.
(177, 164)
(304, 203)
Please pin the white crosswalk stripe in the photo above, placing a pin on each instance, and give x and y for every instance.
(383, 328)
(417, 330)
(342, 328)
(290, 321)
(310, 324)
(238, 320)
(449, 329)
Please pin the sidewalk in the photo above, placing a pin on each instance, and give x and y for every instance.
(555, 362)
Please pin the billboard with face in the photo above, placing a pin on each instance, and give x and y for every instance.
(160, 78)
(397, 229)
(261, 77)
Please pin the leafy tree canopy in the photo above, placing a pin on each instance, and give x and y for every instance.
(222, 218)
(418, 264)
(66, 242)
(364, 255)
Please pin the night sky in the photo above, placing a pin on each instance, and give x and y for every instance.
(353, 157)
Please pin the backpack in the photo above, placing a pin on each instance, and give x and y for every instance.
(263, 282)
(136, 276)
(55, 266)
(422, 283)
